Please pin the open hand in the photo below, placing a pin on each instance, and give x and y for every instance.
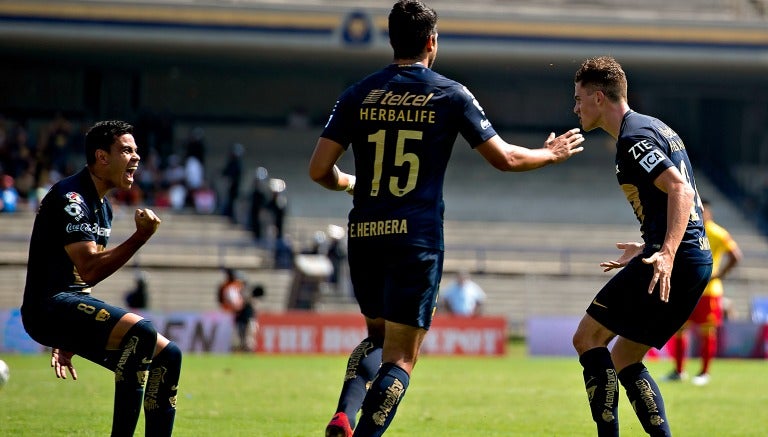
(631, 250)
(61, 361)
(565, 145)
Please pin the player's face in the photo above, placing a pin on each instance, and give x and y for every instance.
(123, 161)
(586, 107)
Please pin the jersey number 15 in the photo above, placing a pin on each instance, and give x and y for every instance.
(401, 158)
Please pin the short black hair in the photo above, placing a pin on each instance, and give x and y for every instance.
(411, 23)
(102, 135)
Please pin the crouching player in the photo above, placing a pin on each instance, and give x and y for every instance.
(67, 257)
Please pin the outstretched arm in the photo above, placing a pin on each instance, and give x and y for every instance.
(509, 157)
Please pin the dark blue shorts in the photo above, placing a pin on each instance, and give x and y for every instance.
(74, 322)
(625, 307)
(399, 284)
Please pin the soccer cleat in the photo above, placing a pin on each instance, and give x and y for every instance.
(338, 426)
(674, 376)
(700, 379)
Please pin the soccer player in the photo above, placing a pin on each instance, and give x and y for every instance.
(662, 277)
(401, 122)
(707, 317)
(68, 257)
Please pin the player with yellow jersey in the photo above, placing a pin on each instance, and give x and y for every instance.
(708, 315)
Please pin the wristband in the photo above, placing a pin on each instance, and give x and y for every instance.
(350, 183)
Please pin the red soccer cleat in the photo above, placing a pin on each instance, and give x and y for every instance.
(338, 426)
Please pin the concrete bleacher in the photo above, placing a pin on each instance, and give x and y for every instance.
(532, 240)
(526, 269)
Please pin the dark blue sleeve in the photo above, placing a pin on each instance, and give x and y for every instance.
(74, 217)
(474, 125)
(338, 126)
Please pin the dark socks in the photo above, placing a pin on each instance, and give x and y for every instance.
(362, 366)
(602, 389)
(136, 350)
(646, 399)
(380, 404)
(160, 394)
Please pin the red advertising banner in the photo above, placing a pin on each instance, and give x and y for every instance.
(317, 333)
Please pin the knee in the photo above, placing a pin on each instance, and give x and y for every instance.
(578, 342)
(170, 356)
(141, 335)
(583, 341)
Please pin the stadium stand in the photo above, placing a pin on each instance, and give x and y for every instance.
(533, 241)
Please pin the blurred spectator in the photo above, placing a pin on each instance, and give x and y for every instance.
(246, 321)
(230, 294)
(233, 300)
(174, 180)
(194, 177)
(337, 254)
(148, 175)
(196, 144)
(233, 171)
(331, 244)
(258, 202)
(464, 297)
(318, 245)
(9, 197)
(57, 140)
(284, 253)
(138, 297)
(277, 205)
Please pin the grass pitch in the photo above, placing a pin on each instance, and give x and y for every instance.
(282, 396)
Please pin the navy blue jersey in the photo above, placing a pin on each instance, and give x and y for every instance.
(71, 211)
(402, 122)
(645, 148)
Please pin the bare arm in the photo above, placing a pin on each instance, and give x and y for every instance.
(732, 257)
(94, 265)
(680, 196)
(323, 169)
(509, 157)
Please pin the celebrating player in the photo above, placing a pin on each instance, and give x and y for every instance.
(663, 277)
(708, 314)
(402, 122)
(68, 256)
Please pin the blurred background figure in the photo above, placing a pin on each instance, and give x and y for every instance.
(9, 197)
(138, 297)
(232, 299)
(709, 313)
(463, 297)
(231, 292)
(259, 202)
(247, 322)
(337, 254)
(277, 205)
(233, 172)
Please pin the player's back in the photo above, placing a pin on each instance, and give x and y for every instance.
(402, 122)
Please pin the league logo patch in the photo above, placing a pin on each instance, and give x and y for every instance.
(74, 210)
(651, 160)
(74, 197)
